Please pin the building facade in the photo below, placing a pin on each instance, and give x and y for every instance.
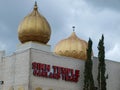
(34, 67)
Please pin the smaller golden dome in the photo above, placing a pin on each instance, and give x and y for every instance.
(72, 47)
(34, 27)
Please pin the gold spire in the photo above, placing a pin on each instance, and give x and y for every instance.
(73, 28)
(34, 27)
(72, 47)
(35, 6)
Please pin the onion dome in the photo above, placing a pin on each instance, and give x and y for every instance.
(34, 27)
(72, 47)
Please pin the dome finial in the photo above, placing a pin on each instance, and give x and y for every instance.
(34, 27)
(73, 28)
(72, 46)
(35, 6)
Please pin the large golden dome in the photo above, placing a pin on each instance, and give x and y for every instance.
(34, 27)
(72, 47)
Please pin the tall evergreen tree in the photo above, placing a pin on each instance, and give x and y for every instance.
(88, 77)
(102, 66)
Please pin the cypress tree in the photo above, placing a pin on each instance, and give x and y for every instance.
(101, 66)
(88, 77)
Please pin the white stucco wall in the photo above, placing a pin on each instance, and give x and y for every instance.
(50, 58)
(16, 71)
(112, 69)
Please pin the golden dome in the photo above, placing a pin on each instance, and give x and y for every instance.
(34, 27)
(72, 47)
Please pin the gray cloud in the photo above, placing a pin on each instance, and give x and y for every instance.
(62, 15)
(114, 51)
(111, 4)
(11, 13)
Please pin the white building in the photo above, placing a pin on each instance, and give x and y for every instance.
(34, 67)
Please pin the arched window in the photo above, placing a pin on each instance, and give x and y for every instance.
(38, 88)
(50, 89)
(21, 88)
(11, 88)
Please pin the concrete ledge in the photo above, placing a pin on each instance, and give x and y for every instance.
(34, 45)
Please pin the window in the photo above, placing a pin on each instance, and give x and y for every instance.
(11, 88)
(50, 89)
(21, 88)
(38, 88)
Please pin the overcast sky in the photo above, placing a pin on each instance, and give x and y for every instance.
(92, 18)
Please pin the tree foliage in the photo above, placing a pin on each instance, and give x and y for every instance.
(101, 66)
(88, 77)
